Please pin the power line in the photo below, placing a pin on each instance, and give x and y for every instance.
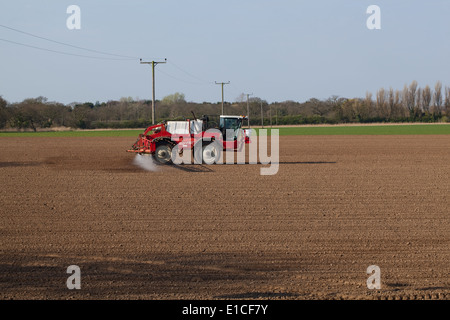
(124, 57)
(68, 45)
(191, 75)
(181, 80)
(118, 56)
(61, 52)
(236, 89)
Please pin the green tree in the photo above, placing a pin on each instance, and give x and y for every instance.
(176, 98)
(29, 114)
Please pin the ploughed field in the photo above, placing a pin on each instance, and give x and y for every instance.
(337, 205)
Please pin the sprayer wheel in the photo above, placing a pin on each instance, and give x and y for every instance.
(163, 153)
(211, 152)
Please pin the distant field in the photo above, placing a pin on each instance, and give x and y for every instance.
(425, 129)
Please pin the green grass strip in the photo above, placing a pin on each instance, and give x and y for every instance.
(419, 129)
(367, 130)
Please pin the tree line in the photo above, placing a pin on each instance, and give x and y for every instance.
(412, 104)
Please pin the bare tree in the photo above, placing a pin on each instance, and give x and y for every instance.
(412, 95)
(241, 98)
(437, 98)
(363, 109)
(398, 110)
(381, 104)
(391, 99)
(3, 112)
(3, 103)
(447, 101)
(409, 97)
(405, 95)
(319, 107)
(81, 116)
(366, 109)
(426, 98)
(418, 107)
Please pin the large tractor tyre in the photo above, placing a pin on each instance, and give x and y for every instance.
(211, 152)
(163, 153)
(197, 152)
(177, 154)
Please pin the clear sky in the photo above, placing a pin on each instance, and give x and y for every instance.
(277, 50)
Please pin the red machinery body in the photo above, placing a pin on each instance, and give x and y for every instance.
(160, 139)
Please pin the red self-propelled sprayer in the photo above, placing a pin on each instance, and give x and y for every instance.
(205, 138)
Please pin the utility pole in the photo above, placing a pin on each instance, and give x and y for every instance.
(262, 116)
(248, 109)
(222, 83)
(153, 63)
(270, 113)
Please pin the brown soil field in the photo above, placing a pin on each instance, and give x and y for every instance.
(337, 205)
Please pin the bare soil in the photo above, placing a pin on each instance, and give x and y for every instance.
(337, 205)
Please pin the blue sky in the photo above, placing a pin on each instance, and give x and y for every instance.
(277, 50)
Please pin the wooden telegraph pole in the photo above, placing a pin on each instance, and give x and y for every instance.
(153, 63)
